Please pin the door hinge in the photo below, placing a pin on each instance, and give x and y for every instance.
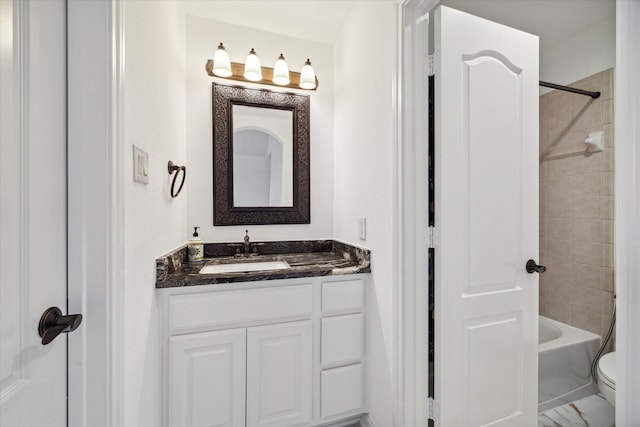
(431, 71)
(433, 237)
(433, 409)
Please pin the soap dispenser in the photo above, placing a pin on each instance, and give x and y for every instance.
(195, 247)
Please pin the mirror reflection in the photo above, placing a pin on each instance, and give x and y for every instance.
(262, 156)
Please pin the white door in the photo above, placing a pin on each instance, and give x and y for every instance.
(279, 372)
(486, 162)
(207, 379)
(33, 229)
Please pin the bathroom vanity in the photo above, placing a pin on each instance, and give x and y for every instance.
(277, 348)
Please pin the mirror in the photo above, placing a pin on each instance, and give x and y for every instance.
(260, 157)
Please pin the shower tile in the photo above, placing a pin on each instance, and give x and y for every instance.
(543, 248)
(588, 298)
(607, 111)
(587, 253)
(607, 184)
(607, 159)
(604, 328)
(585, 275)
(590, 185)
(543, 169)
(557, 311)
(543, 207)
(558, 167)
(587, 230)
(559, 208)
(586, 164)
(586, 207)
(608, 135)
(607, 255)
(607, 84)
(607, 278)
(607, 207)
(607, 231)
(589, 115)
(586, 319)
(558, 271)
(558, 102)
(559, 187)
(558, 228)
(607, 303)
(559, 249)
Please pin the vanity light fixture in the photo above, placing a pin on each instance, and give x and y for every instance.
(221, 62)
(252, 68)
(308, 76)
(281, 72)
(252, 71)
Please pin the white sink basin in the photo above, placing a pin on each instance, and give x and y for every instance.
(242, 267)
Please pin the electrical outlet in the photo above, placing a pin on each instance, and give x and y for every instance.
(362, 228)
(140, 165)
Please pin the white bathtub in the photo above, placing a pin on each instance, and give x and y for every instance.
(564, 363)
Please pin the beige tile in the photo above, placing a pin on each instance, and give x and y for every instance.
(557, 271)
(559, 249)
(586, 207)
(592, 83)
(607, 277)
(608, 160)
(605, 325)
(559, 187)
(586, 319)
(579, 136)
(587, 253)
(607, 84)
(558, 311)
(558, 228)
(543, 248)
(587, 163)
(542, 170)
(589, 115)
(607, 255)
(542, 227)
(607, 184)
(607, 111)
(558, 144)
(607, 231)
(558, 167)
(608, 135)
(587, 230)
(585, 275)
(542, 104)
(607, 302)
(558, 102)
(559, 292)
(559, 207)
(589, 185)
(542, 206)
(588, 298)
(607, 210)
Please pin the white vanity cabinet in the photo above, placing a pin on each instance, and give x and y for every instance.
(278, 353)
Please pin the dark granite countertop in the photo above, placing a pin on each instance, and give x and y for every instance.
(308, 258)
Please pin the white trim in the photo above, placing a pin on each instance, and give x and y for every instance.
(627, 210)
(366, 421)
(412, 342)
(95, 206)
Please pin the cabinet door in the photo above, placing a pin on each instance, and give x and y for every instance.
(207, 379)
(279, 375)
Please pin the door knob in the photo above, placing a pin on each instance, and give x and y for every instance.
(53, 323)
(532, 267)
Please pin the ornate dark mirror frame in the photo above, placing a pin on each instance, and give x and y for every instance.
(224, 212)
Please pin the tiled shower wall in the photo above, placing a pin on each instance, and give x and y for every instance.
(576, 206)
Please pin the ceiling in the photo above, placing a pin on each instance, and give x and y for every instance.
(321, 20)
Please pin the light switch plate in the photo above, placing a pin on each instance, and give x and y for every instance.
(140, 165)
(362, 228)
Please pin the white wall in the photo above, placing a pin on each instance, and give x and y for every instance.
(202, 38)
(154, 223)
(586, 53)
(364, 175)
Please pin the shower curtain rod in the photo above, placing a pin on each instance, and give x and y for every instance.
(593, 95)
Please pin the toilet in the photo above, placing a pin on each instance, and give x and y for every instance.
(607, 376)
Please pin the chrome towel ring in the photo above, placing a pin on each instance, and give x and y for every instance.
(175, 168)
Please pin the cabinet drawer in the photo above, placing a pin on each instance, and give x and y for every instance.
(343, 295)
(342, 338)
(212, 309)
(341, 390)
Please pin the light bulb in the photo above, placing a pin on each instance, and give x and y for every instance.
(307, 76)
(281, 72)
(221, 62)
(252, 68)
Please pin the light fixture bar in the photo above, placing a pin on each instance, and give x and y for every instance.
(267, 75)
